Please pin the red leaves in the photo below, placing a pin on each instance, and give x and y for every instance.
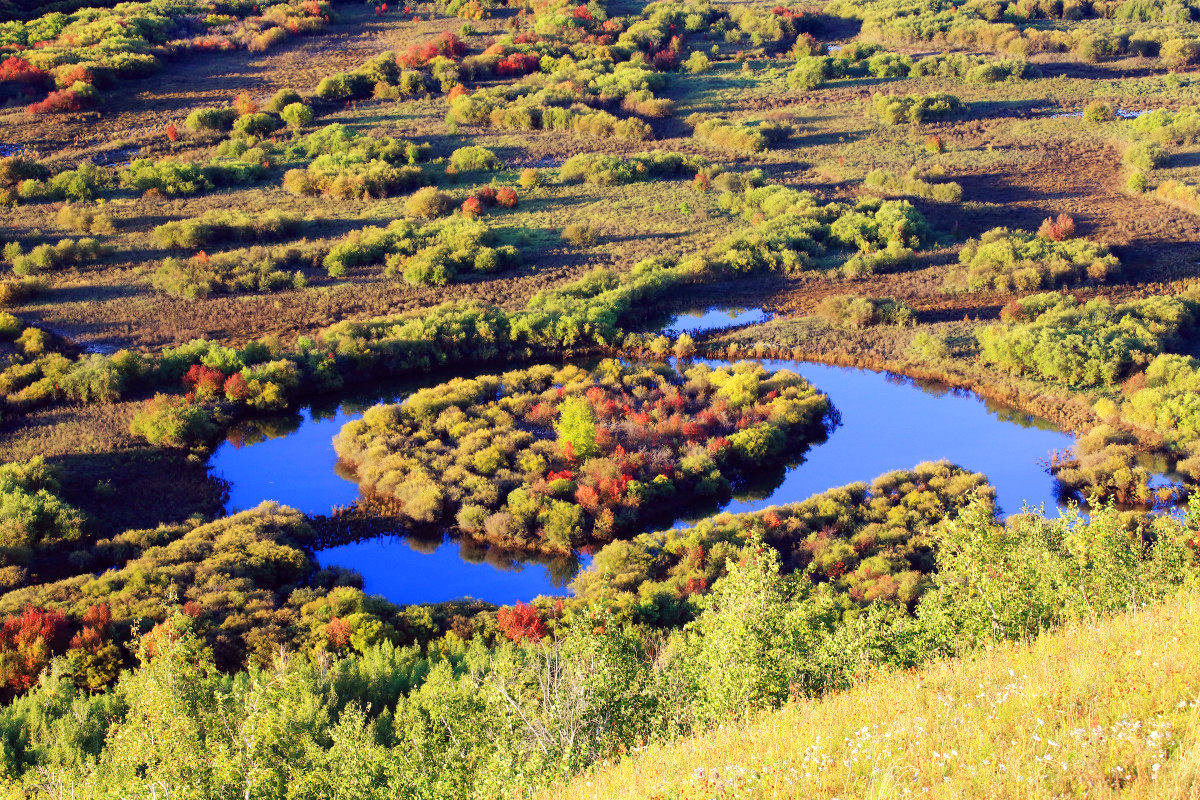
(27, 643)
(472, 207)
(17, 69)
(205, 382)
(337, 634)
(421, 53)
(172, 133)
(236, 388)
(506, 197)
(521, 623)
(1058, 229)
(57, 102)
(245, 104)
(518, 64)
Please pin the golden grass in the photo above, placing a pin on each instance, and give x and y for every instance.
(1097, 710)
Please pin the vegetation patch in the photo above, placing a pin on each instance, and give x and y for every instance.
(553, 459)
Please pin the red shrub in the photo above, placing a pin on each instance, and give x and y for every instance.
(506, 196)
(73, 75)
(62, 100)
(204, 381)
(486, 196)
(236, 389)
(518, 64)
(472, 207)
(172, 133)
(665, 60)
(245, 104)
(19, 70)
(1058, 229)
(521, 623)
(27, 643)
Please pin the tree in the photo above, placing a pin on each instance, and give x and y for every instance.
(577, 426)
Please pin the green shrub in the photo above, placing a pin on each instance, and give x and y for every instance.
(895, 109)
(428, 202)
(173, 422)
(893, 185)
(1005, 260)
(217, 120)
(296, 116)
(474, 159)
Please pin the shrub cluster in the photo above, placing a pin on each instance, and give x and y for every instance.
(227, 225)
(895, 109)
(93, 48)
(1005, 260)
(551, 459)
(50, 257)
(433, 254)
(255, 269)
(345, 164)
(864, 542)
(608, 170)
(863, 312)
(858, 59)
(1058, 338)
(890, 184)
(740, 136)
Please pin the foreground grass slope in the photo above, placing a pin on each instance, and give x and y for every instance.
(1103, 709)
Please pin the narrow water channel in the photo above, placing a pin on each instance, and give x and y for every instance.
(887, 423)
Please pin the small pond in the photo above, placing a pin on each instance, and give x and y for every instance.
(886, 423)
(715, 319)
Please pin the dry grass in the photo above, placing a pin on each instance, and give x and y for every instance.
(1098, 710)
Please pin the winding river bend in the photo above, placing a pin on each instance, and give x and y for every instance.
(887, 423)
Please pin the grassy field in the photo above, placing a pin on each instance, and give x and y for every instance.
(1070, 714)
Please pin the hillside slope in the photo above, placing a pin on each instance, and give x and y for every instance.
(1098, 710)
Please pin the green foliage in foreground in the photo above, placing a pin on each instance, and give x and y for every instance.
(465, 721)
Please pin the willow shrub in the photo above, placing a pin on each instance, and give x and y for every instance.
(1057, 338)
(516, 459)
(1007, 260)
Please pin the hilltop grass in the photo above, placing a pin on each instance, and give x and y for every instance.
(1100, 709)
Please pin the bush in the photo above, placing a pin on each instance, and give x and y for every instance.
(84, 219)
(282, 99)
(173, 422)
(607, 170)
(429, 202)
(14, 291)
(257, 269)
(256, 124)
(893, 185)
(863, 312)
(580, 234)
(474, 159)
(296, 116)
(216, 120)
(217, 226)
(895, 109)
(582, 480)
(1005, 260)
(1057, 338)
(1145, 156)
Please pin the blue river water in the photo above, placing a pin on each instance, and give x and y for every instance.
(886, 423)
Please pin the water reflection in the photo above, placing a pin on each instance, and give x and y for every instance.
(713, 319)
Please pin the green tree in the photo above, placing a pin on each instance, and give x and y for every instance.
(577, 426)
